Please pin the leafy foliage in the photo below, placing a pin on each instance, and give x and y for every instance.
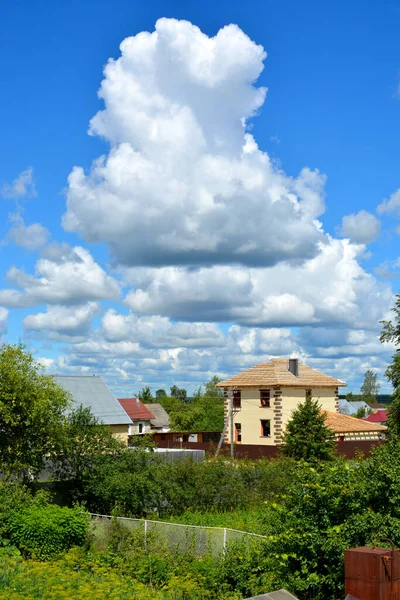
(391, 333)
(15, 496)
(45, 531)
(32, 409)
(393, 420)
(307, 437)
(178, 393)
(72, 576)
(204, 413)
(140, 483)
(361, 413)
(145, 395)
(82, 440)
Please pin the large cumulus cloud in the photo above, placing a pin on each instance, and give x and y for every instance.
(330, 289)
(184, 183)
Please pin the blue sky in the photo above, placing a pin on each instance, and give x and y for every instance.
(333, 104)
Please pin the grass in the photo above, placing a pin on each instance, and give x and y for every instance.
(243, 520)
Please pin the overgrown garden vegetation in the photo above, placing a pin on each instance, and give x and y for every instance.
(310, 504)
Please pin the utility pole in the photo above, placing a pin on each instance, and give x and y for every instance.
(229, 416)
(231, 419)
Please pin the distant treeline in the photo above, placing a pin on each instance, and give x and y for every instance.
(380, 398)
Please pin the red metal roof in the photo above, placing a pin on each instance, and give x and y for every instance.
(135, 409)
(379, 417)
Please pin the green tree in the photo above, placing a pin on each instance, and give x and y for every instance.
(170, 403)
(370, 387)
(307, 436)
(160, 393)
(179, 393)
(145, 395)
(32, 409)
(393, 420)
(204, 413)
(82, 438)
(361, 413)
(212, 391)
(391, 333)
(186, 418)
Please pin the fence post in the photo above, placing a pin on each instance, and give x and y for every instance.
(224, 548)
(145, 534)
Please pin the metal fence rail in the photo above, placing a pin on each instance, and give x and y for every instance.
(196, 538)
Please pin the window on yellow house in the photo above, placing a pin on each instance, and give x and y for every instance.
(265, 428)
(265, 398)
(238, 433)
(237, 398)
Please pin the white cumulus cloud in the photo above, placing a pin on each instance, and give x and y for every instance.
(65, 276)
(74, 320)
(157, 331)
(330, 288)
(184, 182)
(30, 237)
(361, 227)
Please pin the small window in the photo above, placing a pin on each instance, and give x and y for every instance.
(265, 398)
(308, 393)
(265, 428)
(140, 427)
(237, 398)
(238, 432)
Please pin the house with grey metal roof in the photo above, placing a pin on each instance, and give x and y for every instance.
(351, 408)
(91, 391)
(160, 422)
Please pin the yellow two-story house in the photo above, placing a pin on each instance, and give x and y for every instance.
(265, 396)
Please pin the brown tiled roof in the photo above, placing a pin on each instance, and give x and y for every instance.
(135, 409)
(275, 372)
(344, 424)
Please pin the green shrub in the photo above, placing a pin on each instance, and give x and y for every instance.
(45, 531)
(16, 496)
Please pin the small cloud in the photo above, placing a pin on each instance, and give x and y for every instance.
(385, 269)
(275, 139)
(23, 185)
(3, 320)
(30, 237)
(390, 206)
(361, 227)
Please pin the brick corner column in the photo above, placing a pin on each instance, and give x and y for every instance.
(277, 416)
(337, 399)
(226, 411)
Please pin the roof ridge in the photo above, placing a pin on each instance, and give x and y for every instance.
(275, 371)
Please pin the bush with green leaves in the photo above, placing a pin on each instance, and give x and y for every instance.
(139, 482)
(45, 531)
(15, 496)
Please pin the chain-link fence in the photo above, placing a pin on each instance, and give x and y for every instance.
(195, 538)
